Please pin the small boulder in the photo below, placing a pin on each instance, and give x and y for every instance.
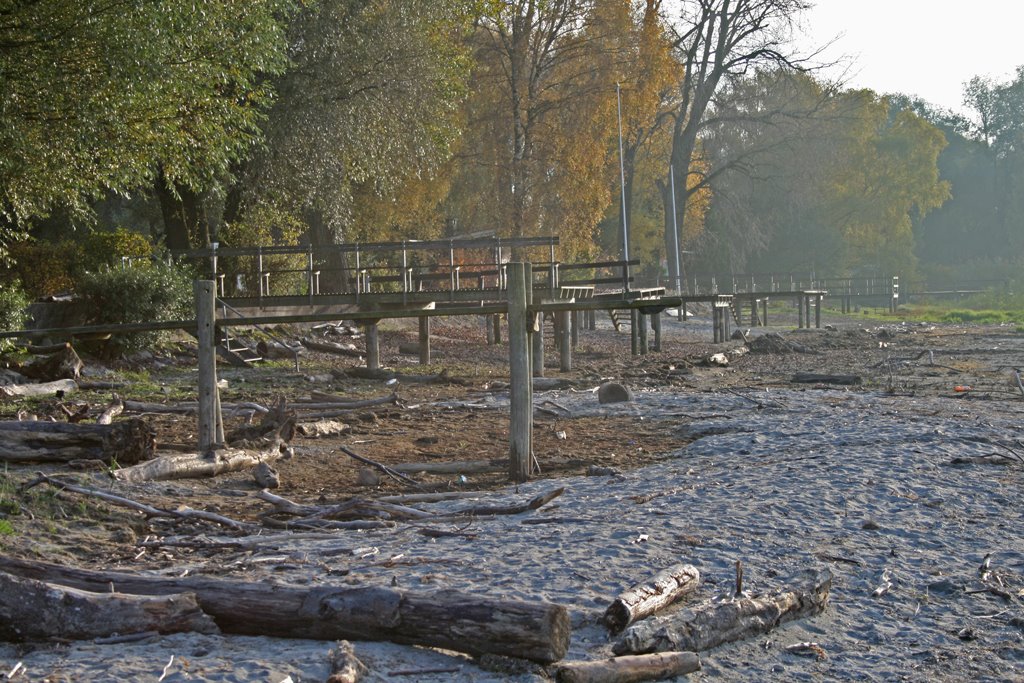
(613, 392)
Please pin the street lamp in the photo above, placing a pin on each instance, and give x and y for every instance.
(622, 185)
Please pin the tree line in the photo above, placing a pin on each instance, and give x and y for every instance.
(328, 121)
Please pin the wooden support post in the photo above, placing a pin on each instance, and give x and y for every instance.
(591, 320)
(726, 322)
(656, 326)
(641, 332)
(564, 341)
(574, 329)
(716, 323)
(425, 340)
(800, 311)
(537, 336)
(489, 330)
(753, 312)
(372, 346)
(764, 312)
(634, 336)
(521, 409)
(817, 311)
(211, 425)
(807, 310)
(496, 325)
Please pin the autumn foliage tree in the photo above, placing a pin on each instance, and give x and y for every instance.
(534, 159)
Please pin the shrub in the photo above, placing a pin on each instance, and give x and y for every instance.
(146, 292)
(13, 310)
(101, 249)
(46, 268)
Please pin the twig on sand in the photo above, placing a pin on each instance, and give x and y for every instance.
(383, 468)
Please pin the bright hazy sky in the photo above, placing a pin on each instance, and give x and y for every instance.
(920, 47)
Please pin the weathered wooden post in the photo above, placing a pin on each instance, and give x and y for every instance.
(496, 328)
(372, 345)
(520, 382)
(656, 326)
(807, 310)
(800, 310)
(537, 327)
(634, 336)
(764, 312)
(211, 425)
(424, 340)
(564, 341)
(641, 332)
(574, 326)
(817, 310)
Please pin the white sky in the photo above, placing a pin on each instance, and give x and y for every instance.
(919, 47)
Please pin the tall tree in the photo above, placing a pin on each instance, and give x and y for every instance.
(98, 95)
(539, 121)
(369, 105)
(716, 40)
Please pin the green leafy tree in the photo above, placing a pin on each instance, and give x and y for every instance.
(370, 103)
(114, 95)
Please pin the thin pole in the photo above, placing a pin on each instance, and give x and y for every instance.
(622, 186)
(675, 235)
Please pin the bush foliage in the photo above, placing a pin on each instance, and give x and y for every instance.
(146, 292)
(13, 310)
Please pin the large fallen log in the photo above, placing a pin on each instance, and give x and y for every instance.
(707, 626)
(35, 610)
(630, 669)
(645, 599)
(125, 442)
(200, 465)
(474, 624)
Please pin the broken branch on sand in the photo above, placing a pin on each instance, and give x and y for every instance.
(36, 610)
(148, 510)
(645, 599)
(533, 630)
(383, 468)
(343, 401)
(630, 669)
(707, 626)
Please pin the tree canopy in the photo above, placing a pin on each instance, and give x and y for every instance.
(97, 94)
(355, 120)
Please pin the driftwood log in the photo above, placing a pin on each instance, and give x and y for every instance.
(345, 666)
(705, 627)
(58, 388)
(200, 465)
(34, 610)
(126, 442)
(474, 624)
(645, 599)
(331, 347)
(815, 378)
(271, 350)
(62, 363)
(630, 668)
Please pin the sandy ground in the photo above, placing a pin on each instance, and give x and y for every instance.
(901, 486)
